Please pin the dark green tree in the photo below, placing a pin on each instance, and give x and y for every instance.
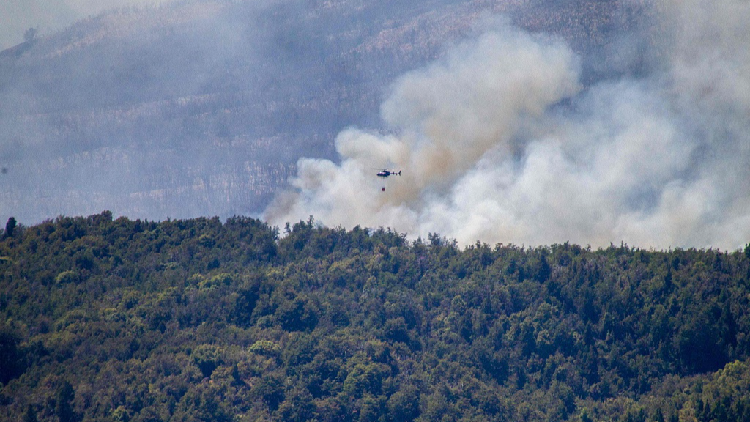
(658, 415)
(64, 403)
(30, 35)
(10, 227)
(30, 414)
(10, 357)
(403, 406)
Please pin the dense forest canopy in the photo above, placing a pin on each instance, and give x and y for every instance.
(210, 320)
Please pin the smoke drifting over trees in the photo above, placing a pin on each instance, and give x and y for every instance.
(498, 142)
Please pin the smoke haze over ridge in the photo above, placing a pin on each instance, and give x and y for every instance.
(628, 122)
(16, 16)
(499, 141)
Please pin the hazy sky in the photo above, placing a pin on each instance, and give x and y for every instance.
(16, 16)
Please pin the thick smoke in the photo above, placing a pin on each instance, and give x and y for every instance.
(499, 142)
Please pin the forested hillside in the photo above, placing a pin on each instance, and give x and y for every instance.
(204, 320)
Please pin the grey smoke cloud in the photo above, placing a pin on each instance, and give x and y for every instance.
(498, 142)
(448, 115)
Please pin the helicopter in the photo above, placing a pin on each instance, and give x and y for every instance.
(384, 173)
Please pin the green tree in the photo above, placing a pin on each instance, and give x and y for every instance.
(10, 227)
(270, 389)
(64, 403)
(403, 406)
(30, 414)
(11, 365)
(658, 415)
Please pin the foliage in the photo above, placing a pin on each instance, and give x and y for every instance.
(104, 319)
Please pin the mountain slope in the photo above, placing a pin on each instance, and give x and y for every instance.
(202, 107)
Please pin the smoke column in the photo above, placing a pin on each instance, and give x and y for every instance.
(499, 141)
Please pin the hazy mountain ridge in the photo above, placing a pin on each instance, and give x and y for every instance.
(190, 87)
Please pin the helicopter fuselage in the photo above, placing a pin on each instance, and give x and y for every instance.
(386, 173)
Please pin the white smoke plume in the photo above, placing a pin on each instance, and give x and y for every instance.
(499, 142)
